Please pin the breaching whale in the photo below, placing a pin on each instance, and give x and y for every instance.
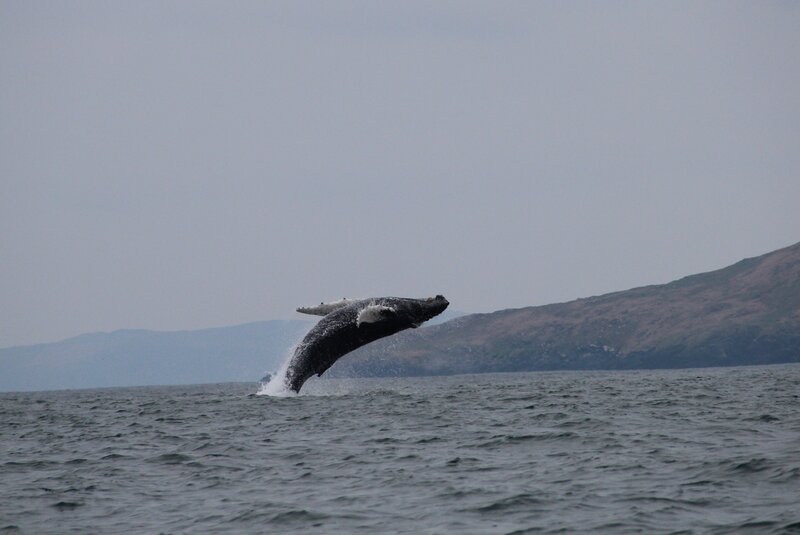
(349, 324)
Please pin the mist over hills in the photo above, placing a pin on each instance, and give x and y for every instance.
(747, 313)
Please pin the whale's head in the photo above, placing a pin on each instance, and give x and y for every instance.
(418, 311)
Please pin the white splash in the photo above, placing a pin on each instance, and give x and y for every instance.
(277, 386)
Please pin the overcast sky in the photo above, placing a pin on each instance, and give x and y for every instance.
(180, 165)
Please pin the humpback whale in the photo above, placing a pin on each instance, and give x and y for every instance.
(349, 324)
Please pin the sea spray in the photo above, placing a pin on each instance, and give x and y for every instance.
(277, 385)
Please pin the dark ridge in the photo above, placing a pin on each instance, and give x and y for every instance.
(747, 313)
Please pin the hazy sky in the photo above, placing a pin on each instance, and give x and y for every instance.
(178, 165)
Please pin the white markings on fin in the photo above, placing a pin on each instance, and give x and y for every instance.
(323, 309)
(374, 314)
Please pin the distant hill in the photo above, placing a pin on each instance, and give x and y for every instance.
(747, 313)
(140, 357)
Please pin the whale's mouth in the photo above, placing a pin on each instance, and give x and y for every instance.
(435, 306)
(439, 299)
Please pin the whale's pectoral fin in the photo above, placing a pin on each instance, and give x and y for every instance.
(375, 314)
(323, 309)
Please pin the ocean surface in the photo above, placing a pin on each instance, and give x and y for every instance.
(685, 451)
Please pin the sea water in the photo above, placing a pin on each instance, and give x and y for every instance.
(692, 451)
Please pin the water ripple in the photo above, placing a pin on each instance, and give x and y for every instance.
(685, 451)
